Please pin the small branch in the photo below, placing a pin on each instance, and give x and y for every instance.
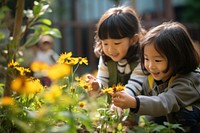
(18, 22)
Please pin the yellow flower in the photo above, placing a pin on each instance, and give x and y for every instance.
(83, 60)
(113, 89)
(107, 90)
(32, 86)
(119, 87)
(81, 104)
(37, 66)
(24, 85)
(13, 64)
(77, 79)
(72, 61)
(54, 92)
(64, 57)
(83, 83)
(18, 83)
(22, 70)
(67, 58)
(58, 71)
(6, 101)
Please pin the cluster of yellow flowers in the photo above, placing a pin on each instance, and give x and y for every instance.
(23, 84)
(66, 58)
(83, 83)
(16, 66)
(113, 89)
(30, 85)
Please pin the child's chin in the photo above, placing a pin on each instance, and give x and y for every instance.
(115, 59)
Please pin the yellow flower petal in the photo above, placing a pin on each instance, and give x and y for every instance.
(58, 71)
(37, 66)
(13, 64)
(6, 101)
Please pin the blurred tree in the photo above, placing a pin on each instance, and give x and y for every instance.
(11, 49)
(117, 2)
(191, 11)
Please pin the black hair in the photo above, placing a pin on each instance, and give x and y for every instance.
(118, 23)
(172, 40)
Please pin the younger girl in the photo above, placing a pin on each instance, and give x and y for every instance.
(117, 37)
(172, 88)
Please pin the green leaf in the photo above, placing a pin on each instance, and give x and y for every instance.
(40, 28)
(54, 32)
(37, 8)
(85, 120)
(32, 41)
(159, 128)
(2, 35)
(137, 130)
(45, 21)
(177, 126)
(119, 127)
(1, 85)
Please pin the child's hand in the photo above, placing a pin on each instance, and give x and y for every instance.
(95, 85)
(92, 80)
(118, 109)
(123, 100)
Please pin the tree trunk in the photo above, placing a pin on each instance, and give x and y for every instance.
(14, 46)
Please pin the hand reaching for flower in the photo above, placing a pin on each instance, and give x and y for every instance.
(95, 85)
(123, 100)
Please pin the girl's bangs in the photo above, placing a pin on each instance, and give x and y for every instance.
(110, 29)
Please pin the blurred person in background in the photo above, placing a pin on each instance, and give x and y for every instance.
(46, 56)
(45, 52)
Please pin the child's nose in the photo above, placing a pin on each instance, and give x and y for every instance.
(110, 49)
(151, 65)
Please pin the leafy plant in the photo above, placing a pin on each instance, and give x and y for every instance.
(147, 126)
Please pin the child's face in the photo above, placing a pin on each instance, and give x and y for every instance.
(45, 46)
(116, 49)
(155, 63)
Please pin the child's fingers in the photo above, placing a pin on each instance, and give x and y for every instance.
(89, 77)
(114, 95)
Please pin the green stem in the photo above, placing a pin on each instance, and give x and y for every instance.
(76, 68)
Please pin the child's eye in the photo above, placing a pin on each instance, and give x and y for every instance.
(105, 44)
(117, 43)
(146, 59)
(158, 60)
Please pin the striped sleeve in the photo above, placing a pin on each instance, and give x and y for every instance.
(134, 85)
(103, 74)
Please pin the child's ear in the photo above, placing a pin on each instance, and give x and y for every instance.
(134, 39)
